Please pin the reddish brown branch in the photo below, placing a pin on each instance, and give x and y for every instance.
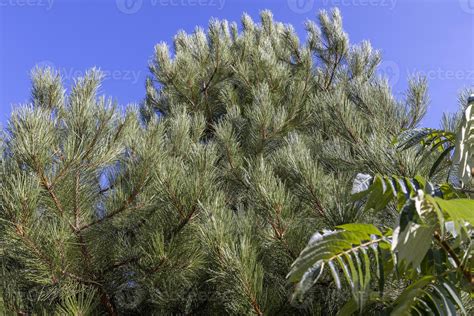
(122, 208)
(465, 270)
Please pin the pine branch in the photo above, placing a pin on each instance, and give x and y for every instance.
(337, 60)
(171, 80)
(20, 232)
(107, 302)
(120, 264)
(125, 205)
(184, 221)
(49, 189)
(105, 298)
(253, 300)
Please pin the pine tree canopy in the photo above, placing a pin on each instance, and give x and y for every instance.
(198, 200)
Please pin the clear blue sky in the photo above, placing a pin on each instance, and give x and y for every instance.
(432, 37)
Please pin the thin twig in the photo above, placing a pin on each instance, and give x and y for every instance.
(465, 271)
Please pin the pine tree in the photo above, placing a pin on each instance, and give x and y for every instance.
(198, 200)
